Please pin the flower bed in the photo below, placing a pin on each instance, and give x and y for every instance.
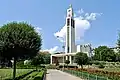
(101, 73)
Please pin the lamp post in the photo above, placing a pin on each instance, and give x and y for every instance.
(63, 55)
(63, 47)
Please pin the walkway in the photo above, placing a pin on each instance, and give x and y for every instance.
(59, 75)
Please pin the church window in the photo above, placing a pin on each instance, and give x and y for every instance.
(68, 22)
(73, 24)
(68, 50)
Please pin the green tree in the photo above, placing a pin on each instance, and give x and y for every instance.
(118, 41)
(81, 59)
(38, 60)
(98, 54)
(67, 62)
(108, 55)
(118, 57)
(18, 40)
(103, 53)
(46, 56)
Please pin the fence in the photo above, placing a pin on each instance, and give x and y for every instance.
(86, 75)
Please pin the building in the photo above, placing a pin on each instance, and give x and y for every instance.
(85, 48)
(70, 31)
(70, 48)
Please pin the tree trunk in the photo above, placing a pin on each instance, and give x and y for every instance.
(81, 66)
(14, 68)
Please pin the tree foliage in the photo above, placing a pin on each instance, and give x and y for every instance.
(103, 53)
(97, 52)
(18, 40)
(38, 60)
(81, 58)
(67, 62)
(118, 41)
(46, 56)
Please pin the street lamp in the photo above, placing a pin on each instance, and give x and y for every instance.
(63, 47)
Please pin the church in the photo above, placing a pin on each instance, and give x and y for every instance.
(70, 48)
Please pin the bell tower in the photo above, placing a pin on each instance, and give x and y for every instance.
(70, 31)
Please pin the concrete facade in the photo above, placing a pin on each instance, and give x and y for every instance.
(70, 31)
(70, 48)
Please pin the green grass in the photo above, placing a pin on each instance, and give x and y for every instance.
(35, 75)
(7, 73)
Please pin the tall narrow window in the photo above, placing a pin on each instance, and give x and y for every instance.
(73, 24)
(68, 50)
(68, 22)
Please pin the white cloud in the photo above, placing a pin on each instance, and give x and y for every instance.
(80, 11)
(38, 30)
(52, 50)
(82, 24)
(92, 16)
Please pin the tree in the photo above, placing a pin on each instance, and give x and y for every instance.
(98, 54)
(38, 60)
(108, 55)
(67, 62)
(118, 57)
(81, 59)
(18, 40)
(46, 56)
(103, 53)
(118, 41)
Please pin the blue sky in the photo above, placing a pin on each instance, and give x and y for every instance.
(49, 15)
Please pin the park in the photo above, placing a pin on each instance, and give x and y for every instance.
(21, 58)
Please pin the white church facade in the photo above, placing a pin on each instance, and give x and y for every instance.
(70, 48)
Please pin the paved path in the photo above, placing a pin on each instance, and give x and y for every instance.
(59, 75)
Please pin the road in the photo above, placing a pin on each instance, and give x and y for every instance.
(59, 75)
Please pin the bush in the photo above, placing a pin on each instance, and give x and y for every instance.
(39, 76)
(101, 66)
(51, 66)
(69, 66)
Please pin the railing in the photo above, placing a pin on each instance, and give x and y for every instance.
(86, 76)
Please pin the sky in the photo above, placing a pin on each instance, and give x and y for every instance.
(97, 21)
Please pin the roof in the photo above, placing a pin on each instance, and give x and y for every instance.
(61, 55)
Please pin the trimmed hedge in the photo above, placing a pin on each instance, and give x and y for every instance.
(39, 76)
(69, 66)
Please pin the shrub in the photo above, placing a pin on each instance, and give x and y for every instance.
(101, 66)
(69, 66)
(39, 76)
(51, 66)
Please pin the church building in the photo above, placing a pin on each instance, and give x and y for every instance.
(70, 48)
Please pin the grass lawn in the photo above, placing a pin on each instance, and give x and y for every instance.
(7, 73)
